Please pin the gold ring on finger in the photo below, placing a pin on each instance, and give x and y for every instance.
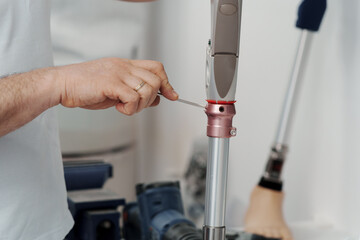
(138, 87)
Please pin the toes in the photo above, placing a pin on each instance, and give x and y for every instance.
(286, 235)
(272, 233)
(260, 232)
(275, 233)
(250, 229)
(253, 230)
(267, 233)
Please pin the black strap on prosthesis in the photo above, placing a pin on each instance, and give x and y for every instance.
(276, 186)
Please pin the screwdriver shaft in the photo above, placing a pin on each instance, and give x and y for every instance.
(188, 102)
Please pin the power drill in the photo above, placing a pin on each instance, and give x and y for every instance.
(158, 214)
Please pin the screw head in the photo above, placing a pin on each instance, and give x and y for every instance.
(233, 132)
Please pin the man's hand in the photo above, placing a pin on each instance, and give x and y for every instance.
(112, 82)
(93, 85)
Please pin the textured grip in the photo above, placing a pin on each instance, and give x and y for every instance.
(310, 14)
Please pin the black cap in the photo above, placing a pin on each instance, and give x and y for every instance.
(310, 14)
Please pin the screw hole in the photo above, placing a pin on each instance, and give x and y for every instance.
(221, 109)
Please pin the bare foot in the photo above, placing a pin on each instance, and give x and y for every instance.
(264, 216)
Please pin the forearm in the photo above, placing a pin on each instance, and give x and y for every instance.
(97, 84)
(24, 96)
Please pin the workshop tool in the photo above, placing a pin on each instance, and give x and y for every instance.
(221, 78)
(159, 213)
(94, 209)
(186, 102)
(310, 15)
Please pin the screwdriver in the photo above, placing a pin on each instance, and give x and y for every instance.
(187, 102)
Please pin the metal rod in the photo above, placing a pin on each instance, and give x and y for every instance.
(186, 102)
(290, 101)
(190, 103)
(216, 182)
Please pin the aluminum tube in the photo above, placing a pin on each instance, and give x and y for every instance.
(293, 88)
(216, 182)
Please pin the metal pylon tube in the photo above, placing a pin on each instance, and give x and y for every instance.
(216, 186)
(219, 131)
(290, 101)
(216, 182)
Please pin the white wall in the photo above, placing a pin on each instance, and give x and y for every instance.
(322, 183)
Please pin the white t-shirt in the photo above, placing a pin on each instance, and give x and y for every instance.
(33, 202)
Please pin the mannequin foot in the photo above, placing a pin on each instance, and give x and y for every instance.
(264, 216)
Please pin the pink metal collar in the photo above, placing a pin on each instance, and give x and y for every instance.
(220, 120)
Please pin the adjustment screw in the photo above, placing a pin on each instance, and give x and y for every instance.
(233, 132)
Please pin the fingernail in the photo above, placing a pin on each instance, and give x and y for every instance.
(175, 93)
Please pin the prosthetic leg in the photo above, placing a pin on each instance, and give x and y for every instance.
(221, 76)
(264, 215)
